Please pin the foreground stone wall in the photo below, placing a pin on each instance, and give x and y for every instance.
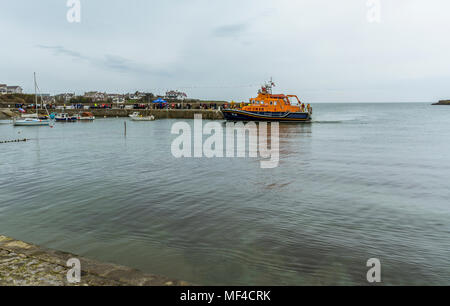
(24, 264)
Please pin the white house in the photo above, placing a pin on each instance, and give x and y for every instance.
(117, 98)
(133, 96)
(176, 95)
(3, 89)
(65, 97)
(47, 98)
(14, 89)
(96, 96)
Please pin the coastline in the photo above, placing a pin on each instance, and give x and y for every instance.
(442, 102)
(25, 264)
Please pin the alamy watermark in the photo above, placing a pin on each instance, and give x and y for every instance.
(374, 11)
(374, 273)
(216, 145)
(74, 12)
(74, 274)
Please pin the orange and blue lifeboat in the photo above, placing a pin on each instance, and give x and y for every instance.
(269, 107)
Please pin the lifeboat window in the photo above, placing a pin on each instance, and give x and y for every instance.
(275, 103)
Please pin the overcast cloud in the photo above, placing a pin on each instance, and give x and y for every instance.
(322, 50)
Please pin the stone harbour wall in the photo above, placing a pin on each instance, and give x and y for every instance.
(207, 114)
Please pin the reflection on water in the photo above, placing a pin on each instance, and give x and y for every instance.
(361, 181)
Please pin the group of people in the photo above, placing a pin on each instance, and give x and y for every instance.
(135, 106)
(307, 108)
(184, 106)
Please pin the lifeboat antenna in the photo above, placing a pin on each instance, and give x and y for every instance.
(267, 88)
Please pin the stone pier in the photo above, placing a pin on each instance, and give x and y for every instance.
(207, 114)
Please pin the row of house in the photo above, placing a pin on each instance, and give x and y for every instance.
(97, 96)
(121, 98)
(65, 97)
(176, 95)
(5, 89)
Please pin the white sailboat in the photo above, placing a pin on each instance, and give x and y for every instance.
(32, 120)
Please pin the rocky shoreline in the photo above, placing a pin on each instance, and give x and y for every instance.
(443, 102)
(24, 264)
(6, 114)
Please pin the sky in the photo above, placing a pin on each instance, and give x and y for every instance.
(321, 50)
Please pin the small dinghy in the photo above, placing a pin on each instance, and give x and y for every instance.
(86, 116)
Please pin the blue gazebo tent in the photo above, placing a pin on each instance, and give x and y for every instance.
(159, 100)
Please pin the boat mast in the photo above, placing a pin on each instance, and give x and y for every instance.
(270, 86)
(35, 95)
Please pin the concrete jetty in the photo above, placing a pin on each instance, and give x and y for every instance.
(25, 264)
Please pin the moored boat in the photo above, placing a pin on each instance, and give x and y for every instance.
(270, 107)
(32, 119)
(136, 116)
(31, 122)
(86, 116)
(64, 117)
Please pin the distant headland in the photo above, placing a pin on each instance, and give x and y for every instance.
(443, 102)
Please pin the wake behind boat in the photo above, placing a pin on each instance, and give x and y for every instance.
(270, 107)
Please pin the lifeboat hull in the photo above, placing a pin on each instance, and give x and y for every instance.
(240, 115)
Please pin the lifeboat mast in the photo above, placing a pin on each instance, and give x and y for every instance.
(267, 88)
